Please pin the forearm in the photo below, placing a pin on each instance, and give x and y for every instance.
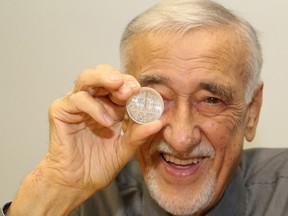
(39, 196)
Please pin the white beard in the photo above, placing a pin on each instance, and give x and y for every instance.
(184, 203)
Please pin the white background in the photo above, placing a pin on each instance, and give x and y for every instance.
(44, 45)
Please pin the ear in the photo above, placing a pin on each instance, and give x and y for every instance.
(254, 113)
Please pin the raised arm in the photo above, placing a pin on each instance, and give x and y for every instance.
(86, 149)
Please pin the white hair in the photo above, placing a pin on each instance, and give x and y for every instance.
(180, 16)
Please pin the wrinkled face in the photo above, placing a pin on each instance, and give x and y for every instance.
(190, 162)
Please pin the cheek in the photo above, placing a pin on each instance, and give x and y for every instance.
(216, 133)
(223, 131)
(227, 139)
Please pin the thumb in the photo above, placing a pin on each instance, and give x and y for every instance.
(137, 135)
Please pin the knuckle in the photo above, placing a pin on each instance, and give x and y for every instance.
(53, 107)
(78, 96)
(107, 70)
(129, 77)
(104, 67)
(84, 74)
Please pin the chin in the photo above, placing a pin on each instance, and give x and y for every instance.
(182, 200)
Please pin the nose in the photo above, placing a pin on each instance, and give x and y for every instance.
(181, 130)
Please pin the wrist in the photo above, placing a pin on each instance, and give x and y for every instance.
(39, 196)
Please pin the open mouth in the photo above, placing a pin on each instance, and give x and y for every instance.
(181, 162)
(184, 167)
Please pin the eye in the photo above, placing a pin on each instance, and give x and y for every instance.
(212, 100)
(211, 105)
(166, 99)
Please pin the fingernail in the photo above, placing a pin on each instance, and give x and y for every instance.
(132, 84)
(107, 118)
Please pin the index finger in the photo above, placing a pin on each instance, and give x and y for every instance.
(116, 96)
(103, 76)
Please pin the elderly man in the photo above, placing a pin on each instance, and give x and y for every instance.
(205, 62)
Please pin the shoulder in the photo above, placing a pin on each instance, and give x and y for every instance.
(264, 165)
(265, 172)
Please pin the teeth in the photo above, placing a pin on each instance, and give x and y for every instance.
(177, 161)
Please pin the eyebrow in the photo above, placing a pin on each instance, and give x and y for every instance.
(149, 79)
(218, 89)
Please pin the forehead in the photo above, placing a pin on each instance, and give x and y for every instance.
(214, 49)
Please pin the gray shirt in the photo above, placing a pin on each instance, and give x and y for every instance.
(259, 187)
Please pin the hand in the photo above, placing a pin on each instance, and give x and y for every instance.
(86, 149)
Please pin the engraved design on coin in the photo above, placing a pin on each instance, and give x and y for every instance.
(146, 106)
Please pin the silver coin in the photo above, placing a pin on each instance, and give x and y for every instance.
(146, 106)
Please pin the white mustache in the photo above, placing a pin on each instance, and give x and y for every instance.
(201, 150)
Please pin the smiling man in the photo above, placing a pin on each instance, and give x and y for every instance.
(189, 163)
(205, 62)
